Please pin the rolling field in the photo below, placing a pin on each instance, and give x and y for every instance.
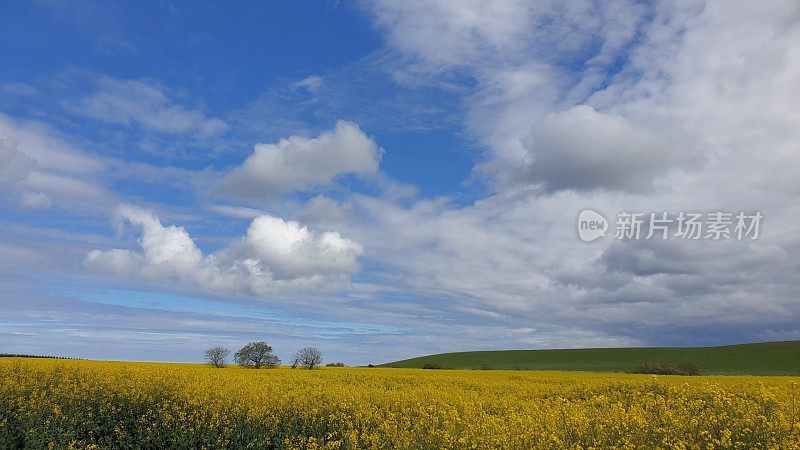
(91, 404)
(769, 358)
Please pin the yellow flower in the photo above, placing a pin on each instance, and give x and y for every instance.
(83, 404)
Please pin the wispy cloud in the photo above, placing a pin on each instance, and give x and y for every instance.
(139, 103)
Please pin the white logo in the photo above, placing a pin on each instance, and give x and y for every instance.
(591, 225)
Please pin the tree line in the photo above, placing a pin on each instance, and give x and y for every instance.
(19, 355)
(257, 355)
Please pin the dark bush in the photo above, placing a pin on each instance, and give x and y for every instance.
(433, 366)
(684, 368)
(688, 368)
(336, 364)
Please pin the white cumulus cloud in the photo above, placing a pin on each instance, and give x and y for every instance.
(274, 254)
(298, 163)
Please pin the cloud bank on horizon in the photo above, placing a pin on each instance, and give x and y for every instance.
(404, 179)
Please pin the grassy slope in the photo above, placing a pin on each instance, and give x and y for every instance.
(769, 358)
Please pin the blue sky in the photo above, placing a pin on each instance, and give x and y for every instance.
(386, 179)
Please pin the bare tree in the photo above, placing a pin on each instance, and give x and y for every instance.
(308, 357)
(216, 356)
(256, 355)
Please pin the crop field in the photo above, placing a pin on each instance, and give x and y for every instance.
(92, 404)
(766, 358)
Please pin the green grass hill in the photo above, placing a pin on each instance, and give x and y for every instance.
(767, 358)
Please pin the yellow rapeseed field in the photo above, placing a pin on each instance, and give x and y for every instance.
(89, 404)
